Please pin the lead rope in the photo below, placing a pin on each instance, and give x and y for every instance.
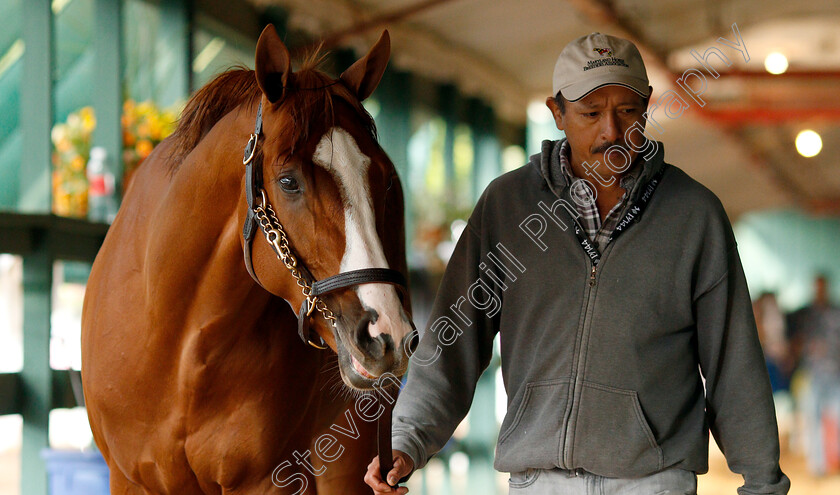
(383, 441)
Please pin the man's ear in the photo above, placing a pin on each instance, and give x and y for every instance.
(646, 100)
(273, 65)
(363, 76)
(552, 105)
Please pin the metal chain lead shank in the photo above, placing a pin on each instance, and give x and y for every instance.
(276, 236)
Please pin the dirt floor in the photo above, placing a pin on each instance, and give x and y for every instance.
(10, 472)
(721, 481)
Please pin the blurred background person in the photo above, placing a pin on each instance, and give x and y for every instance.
(772, 332)
(815, 339)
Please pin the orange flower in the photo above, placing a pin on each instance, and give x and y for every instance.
(144, 148)
(64, 145)
(128, 139)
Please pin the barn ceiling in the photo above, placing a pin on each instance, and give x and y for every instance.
(737, 136)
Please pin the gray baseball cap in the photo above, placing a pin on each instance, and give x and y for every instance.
(597, 60)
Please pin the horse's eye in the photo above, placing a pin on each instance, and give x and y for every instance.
(289, 184)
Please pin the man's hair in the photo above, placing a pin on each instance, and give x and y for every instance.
(561, 102)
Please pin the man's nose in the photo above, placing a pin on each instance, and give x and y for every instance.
(610, 131)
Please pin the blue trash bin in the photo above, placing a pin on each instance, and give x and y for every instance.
(76, 472)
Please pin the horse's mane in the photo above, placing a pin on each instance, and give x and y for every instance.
(311, 97)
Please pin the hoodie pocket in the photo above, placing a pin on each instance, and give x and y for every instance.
(612, 436)
(531, 430)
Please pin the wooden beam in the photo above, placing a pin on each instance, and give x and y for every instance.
(398, 15)
(740, 117)
(825, 206)
(65, 238)
(64, 391)
(797, 75)
(10, 393)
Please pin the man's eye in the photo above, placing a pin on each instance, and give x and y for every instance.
(590, 114)
(289, 184)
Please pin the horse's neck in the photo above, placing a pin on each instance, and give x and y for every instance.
(195, 266)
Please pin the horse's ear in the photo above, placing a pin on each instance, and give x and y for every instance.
(273, 65)
(363, 76)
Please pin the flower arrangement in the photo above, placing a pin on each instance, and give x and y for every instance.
(71, 142)
(143, 127)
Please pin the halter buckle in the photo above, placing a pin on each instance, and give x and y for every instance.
(251, 147)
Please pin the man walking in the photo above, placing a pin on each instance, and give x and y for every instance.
(625, 323)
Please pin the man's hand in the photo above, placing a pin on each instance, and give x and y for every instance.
(403, 465)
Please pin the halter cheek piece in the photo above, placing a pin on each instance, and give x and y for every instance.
(260, 213)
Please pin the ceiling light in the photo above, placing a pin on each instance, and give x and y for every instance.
(776, 63)
(808, 143)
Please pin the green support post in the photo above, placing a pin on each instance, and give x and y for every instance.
(36, 107)
(35, 197)
(36, 376)
(173, 69)
(488, 160)
(449, 111)
(479, 442)
(394, 128)
(108, 81)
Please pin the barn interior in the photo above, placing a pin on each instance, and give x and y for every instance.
(747, 103)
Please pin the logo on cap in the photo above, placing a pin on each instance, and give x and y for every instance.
(604, 52)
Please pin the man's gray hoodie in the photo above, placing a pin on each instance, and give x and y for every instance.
(621, 369)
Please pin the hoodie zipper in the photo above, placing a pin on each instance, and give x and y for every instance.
(582, 345)
(570, 419)
(577, 372)
(584, 332)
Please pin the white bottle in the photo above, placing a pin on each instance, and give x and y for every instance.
(100, 186)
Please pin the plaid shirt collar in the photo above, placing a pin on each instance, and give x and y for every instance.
(597, 231)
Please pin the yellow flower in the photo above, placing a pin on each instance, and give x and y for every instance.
(77, 164)
(88, 119)
(145, 108)
(155, 130)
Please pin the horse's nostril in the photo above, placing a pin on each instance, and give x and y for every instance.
(362, 333)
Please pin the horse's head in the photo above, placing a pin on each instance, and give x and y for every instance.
(339, 200)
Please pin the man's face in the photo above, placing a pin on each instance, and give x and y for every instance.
(821, 291)
(600, 120)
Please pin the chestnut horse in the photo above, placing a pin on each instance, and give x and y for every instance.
(194, 376)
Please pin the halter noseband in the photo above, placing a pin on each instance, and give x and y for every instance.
(260, 213)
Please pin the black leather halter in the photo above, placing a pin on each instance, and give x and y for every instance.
(260, 214)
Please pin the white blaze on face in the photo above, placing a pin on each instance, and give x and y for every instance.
(339, 154)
